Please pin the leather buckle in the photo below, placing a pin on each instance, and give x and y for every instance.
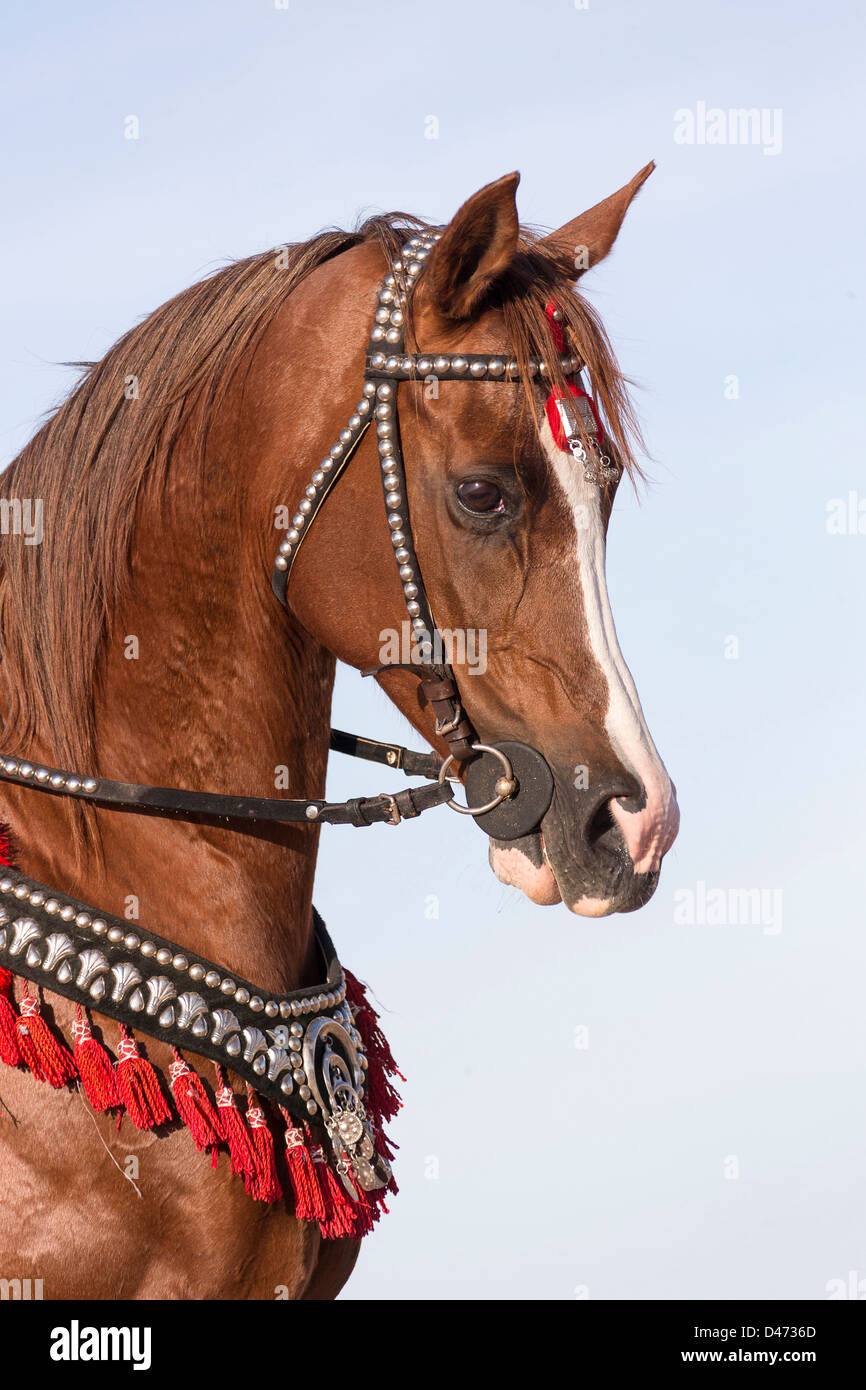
(442, 727)
(393, 817)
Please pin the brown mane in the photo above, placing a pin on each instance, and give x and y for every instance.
(89, 461)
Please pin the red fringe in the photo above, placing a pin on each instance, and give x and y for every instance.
(264, 1184)
(381, 1100)
(309, 1202)
(138, 1085)
(233, 1131)
(10, 1052)
(340, 1219)
(44, 1054)
(94, 1064)
(193, 1105)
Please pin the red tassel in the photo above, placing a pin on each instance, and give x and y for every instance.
(233, 1131)
(94, 1065)
(138, 1085)
(193, 1105)
(339, 1219)
(44, 1054)
(10, 1052)
(381, 1099)
(309, 1203)
(264, 1184)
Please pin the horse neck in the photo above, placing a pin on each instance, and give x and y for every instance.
(205, 684)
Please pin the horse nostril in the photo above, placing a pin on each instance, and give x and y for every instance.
(599, 824)
(600, 831)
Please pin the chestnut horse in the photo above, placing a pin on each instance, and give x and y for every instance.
(141, 641)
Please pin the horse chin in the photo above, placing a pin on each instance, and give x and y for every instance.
(524, 864)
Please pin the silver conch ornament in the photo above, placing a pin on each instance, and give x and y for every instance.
(332, 1063)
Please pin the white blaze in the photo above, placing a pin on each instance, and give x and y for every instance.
(648, 833)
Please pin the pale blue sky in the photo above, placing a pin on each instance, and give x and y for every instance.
(261, 125)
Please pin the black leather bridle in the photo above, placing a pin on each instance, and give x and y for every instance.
(513, 782)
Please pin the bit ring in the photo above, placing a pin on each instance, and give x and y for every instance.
(507, 777)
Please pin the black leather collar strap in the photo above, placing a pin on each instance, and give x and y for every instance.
(171, 802)
(146, 982)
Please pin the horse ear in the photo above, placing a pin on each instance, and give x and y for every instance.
(588, 238)
(476, 247)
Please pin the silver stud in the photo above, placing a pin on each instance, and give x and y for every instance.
(196, 972)
(256, 1004)
(281, 563)
(41, 774)
(89, 784)
(477, 369)
(377, 334)
(293, 536)
(228, 986)
(441, 364)
(271, 1009)
(131, 942)
(57, 779)
(305, 507)
(67, 912)
(385, 391)
(312, 812)
(242, 995)
(83, 919)
(180, 962)
(402, 555)
(73, 784)
(413, 609)
(163, 955)
(52, 906)
(26, 770)
(148, 949)
(115, 934)
(410, 590)
(459, 364)
(10, 766)
(354, 424)
(393, 499)
(398, 538)
(212, 978)
(382, 315)
(424, 365)
(304, 1093)
(406, 571)
(37, 898)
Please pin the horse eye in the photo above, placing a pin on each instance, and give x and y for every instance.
(480, 495)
